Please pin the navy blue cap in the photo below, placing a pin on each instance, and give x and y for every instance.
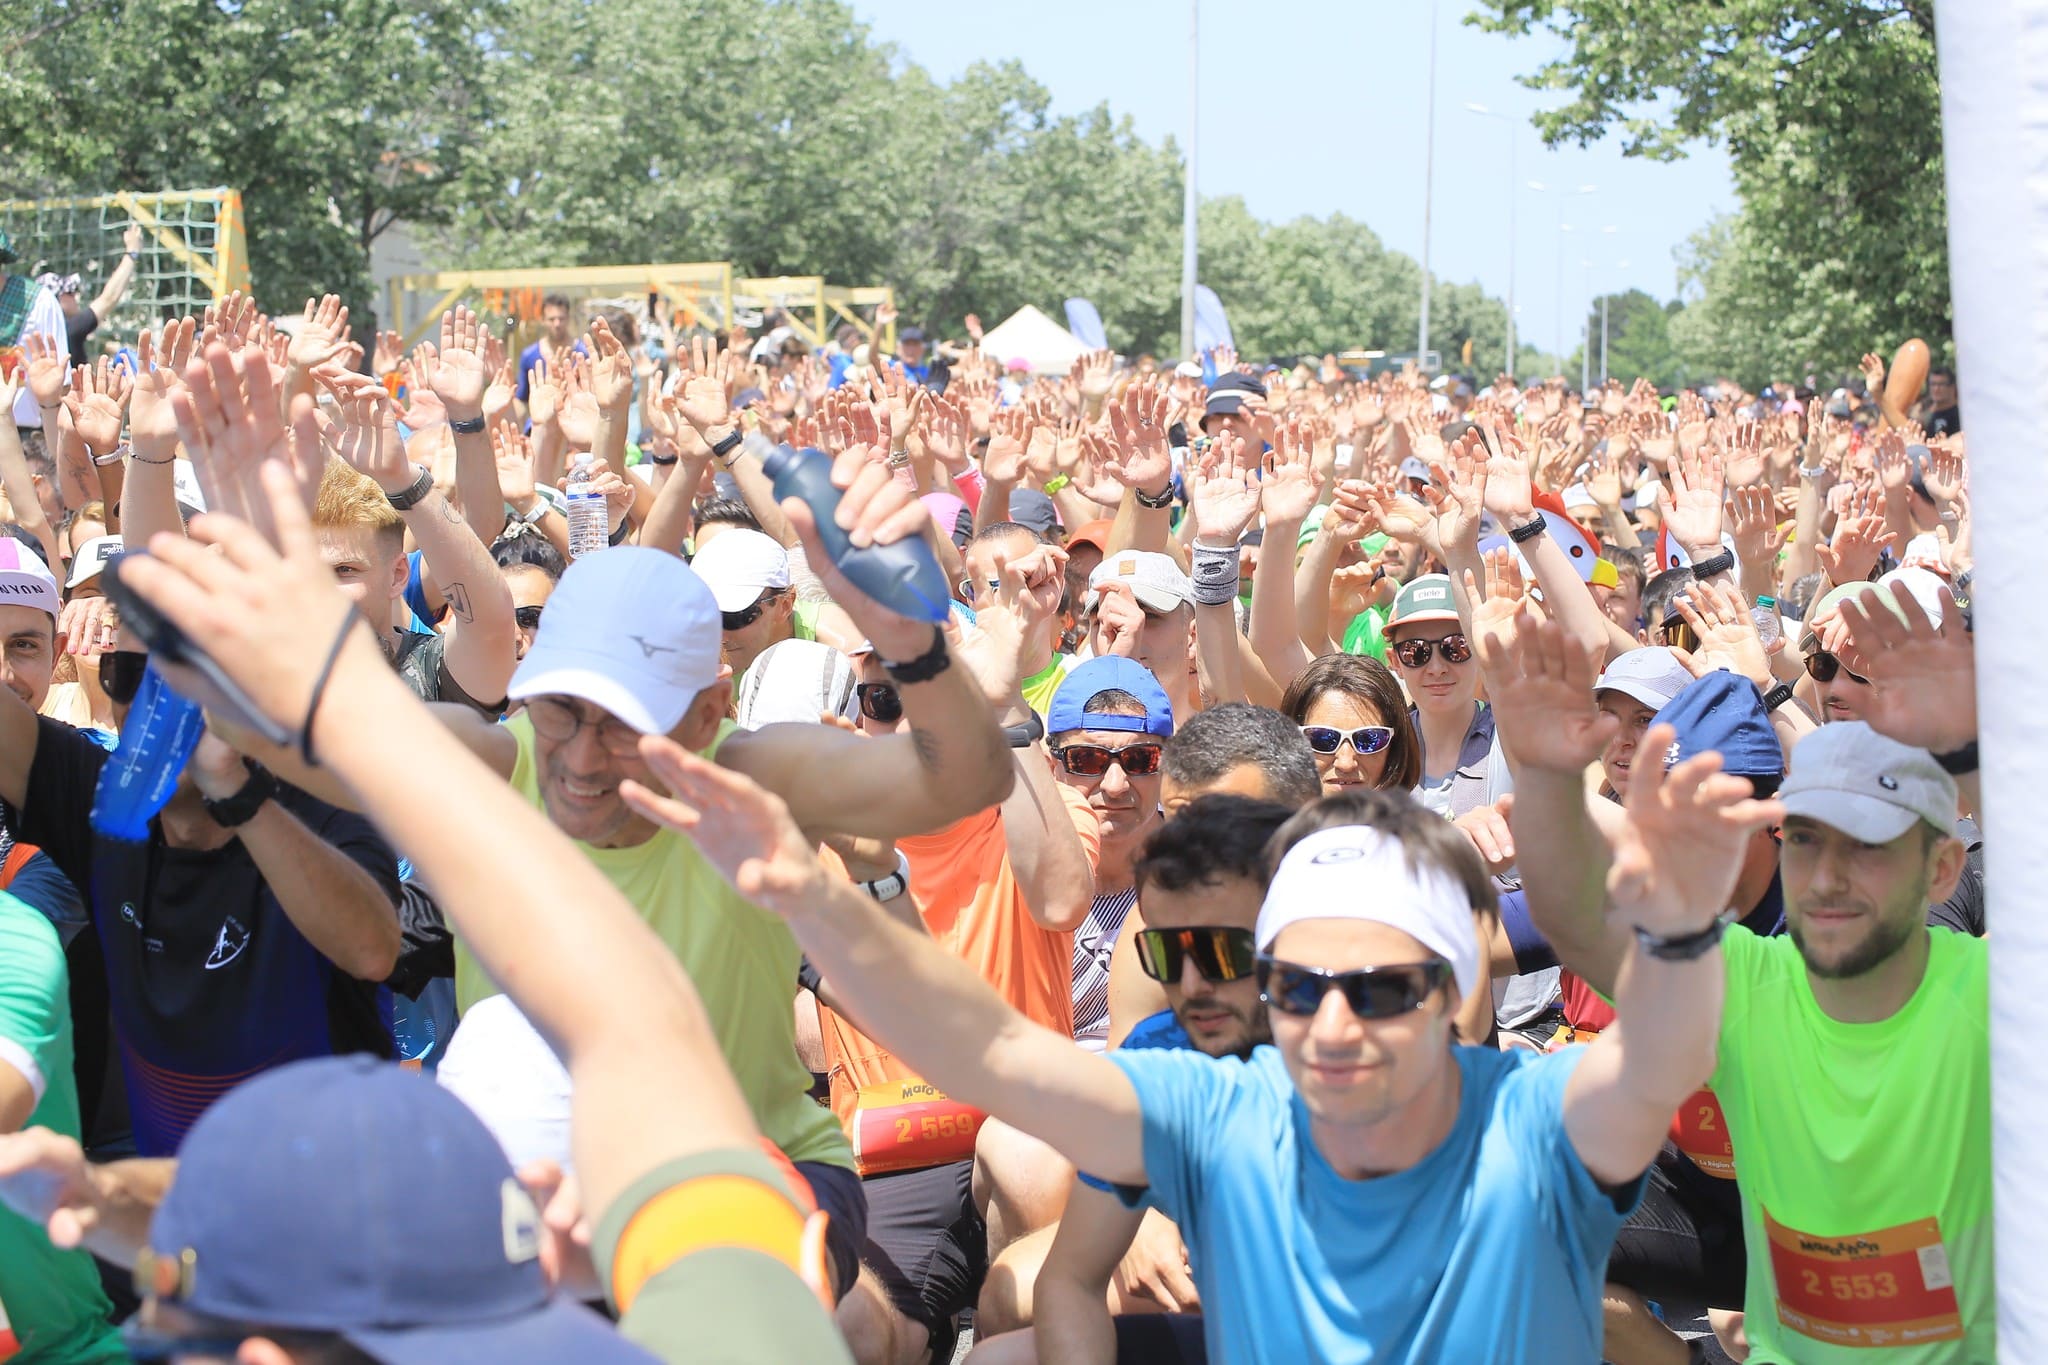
(910, 333)
(1107, 673)
(348, 1195)
(1228, 393)
(1724, 711)
(746, 398)
(1029, 507)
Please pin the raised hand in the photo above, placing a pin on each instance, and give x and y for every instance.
(1856, 546)
(1539, 681)
(1923, 676)
(1753, 521)
(1292, 483)
(323, 332)
(49, 368)
(1144, 461)
(1002, 463)
(1742, 454)
(367, 434)
(228, 418)
(1726, 630)
(1509, 491)
(457, 374)
(544, 394)
(1872, 366)
(422, 405)
(1464, 486)
(387, 350)
(159, 360)
(97, 403)
(513, 453)
(1223, 497)
(1944, 476)
(611, 370)
(1691, 503)
(1094, 372)
(1679, 849)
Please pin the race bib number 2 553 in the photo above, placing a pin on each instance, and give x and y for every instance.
(1890, 1287)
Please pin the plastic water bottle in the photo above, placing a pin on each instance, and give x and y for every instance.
(905, 577)
(162, 730)
(1765, 614)
(590, 527)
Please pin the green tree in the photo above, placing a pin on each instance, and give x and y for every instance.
(1831, 114)
(1638, 340)
(336, 119)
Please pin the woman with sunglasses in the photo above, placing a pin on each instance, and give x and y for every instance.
(1351, 713)
(1462, 767)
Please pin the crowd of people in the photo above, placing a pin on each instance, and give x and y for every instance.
(1368, 866)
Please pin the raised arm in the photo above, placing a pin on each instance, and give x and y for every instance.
(915, 998)
(1674, 868)
(1923, 679)
(123, 275)
(1144, 466)
(20, 481)
(459, 378)
(1510, 495)
(1223, 501)
(1287, 494)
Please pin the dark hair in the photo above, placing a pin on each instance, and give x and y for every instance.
(1369, 681)
(1212, 837)
(728, 512)
(1110, 701)
(1945, 371)
(1226, 737)
(996, 530)
(560, 301)
(532, 552)
(1428, 841)
(623, 324)
(1663, 590)
(1628, 564)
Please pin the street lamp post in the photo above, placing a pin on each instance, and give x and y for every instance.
(1187, 211)
(1562, 228)
(1484, 112)
(1428, 181)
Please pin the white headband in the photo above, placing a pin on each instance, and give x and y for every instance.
(1358, 872)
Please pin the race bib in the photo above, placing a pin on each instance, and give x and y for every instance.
(1701, 1131)
(908, 1125)
(1891, 1287)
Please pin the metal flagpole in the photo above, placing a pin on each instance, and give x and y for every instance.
(1187, 212)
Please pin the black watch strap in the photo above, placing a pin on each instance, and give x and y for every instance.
(1155, 503)
(468, 426)
(1685, 947)
(239, 809)
(1777, 696)
(1721, 563)
(1026, 732)
(422, 484)
(925, 666)
(727, 444)
(1528, 530)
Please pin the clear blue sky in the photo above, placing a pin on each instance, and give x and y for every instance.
(1317, 106)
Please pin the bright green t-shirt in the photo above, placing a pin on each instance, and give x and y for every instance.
(51, 1298)
(1864, 1156)
(1367, 634)
(742, 959)
(1039, 687)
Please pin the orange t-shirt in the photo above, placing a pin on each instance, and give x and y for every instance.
(966, 893)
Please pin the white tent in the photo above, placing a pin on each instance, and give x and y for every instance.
(1032, 337)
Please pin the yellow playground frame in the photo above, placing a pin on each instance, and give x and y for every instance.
(221, 271)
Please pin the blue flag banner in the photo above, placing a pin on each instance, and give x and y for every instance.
(1212, 328)
(1086, 325)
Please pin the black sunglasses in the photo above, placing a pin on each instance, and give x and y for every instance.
(527, 617)
(121, 673)
(740, 620)
(1415, 653)
(1092, 760)
(1366, 739)
(1372, 992)
(1822, 666)
(880, 702)
(1219, 954)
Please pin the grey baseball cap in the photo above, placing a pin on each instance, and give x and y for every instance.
(1873, 789)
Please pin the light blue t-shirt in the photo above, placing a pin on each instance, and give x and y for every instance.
(1494, 1247)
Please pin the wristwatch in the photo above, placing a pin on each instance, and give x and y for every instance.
(925, 666)
(1777, 696)
(1685, 947)
(468, 426)
(1026, 732)
(1528, 530)
(1959, 762)
(410, 497)
(726, 444)
(895, 884)
(239, 809)
(1713, 564)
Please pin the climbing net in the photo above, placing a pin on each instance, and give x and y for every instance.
(193, 248)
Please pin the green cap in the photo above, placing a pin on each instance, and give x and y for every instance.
(1428, 598)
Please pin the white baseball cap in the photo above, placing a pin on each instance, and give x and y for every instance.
(25, 581)
(1155, 580)
(185, 486)
(1873, 789)
(739, 565)
(1652, 675)
(631, 629)
(1362, 873)
(500, 1066)
(91, 558)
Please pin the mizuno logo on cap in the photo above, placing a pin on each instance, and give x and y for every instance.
(647, 650)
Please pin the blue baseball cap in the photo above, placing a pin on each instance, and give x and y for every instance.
(1109, 673)
(1724, 711)
(350, 1196)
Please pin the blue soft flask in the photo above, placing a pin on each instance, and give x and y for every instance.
(162, 730)
(904, 577)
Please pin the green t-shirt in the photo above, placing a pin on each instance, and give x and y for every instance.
(1864, 1156)
(51, 1298)
(1039, 687)
(1367, 634)
(742, 959)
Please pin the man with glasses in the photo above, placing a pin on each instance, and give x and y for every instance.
(983, 558)
(1421, 1168)
(1201, 877)
(748, 574)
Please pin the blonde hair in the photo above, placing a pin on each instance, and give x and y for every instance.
(352, 501)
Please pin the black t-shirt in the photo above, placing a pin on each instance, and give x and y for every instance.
(208, 980)
(77, 327)
(422, 664)
(1945, 421)
(1964, 911)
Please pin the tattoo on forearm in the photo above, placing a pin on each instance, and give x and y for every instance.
(457, 597)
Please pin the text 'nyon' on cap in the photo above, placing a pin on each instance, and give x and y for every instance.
(631, 629)
(347, 1195)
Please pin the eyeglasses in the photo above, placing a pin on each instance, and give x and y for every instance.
(1219, 954)
(1679, 635)
(740, 620)
(1372, 992)
(559, 722)
(1092, 760)
(1822, 666)
(1415, 653)
(1366, 739)
(880, 702)
(527, 617)
(967, 586)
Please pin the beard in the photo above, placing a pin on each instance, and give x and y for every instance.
(1887, 936)
(1257, 1029)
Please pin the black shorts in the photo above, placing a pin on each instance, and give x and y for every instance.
(1160, 1339)
(1683, 1244)
(928, 1245)
(840, 1196)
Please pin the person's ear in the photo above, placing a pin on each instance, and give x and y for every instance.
(401, 574)
(1951, 857)
(263, 1351)
(707, 711)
